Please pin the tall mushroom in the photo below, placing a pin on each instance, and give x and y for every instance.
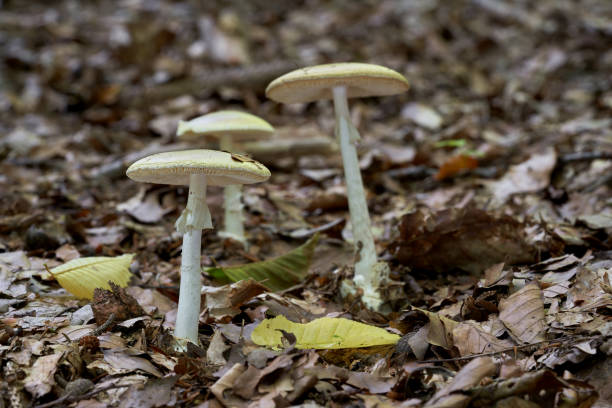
(197, 169)
(338, 82)
(228, 126)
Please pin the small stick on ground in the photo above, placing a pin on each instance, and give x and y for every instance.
(548, 343)
(104, 326)
(73, 398)
(585, 156)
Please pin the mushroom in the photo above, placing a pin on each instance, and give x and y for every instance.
(228, 125)
(197, 169)
(338, 82)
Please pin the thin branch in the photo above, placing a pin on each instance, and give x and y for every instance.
(73, 398)
(585, 156)
(550, 343)
(104, 326)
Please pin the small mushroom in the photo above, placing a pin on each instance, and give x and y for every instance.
(228, 126)
(338, 82)
(197, 169)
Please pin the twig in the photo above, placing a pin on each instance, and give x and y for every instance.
(251, 77)
(73, 398)
(170, 287)
(551, 343)
(585, 156)
(101, 329)
(292, 288)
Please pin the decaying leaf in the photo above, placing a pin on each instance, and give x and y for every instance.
(323, 333)
(470, 239)
(276, 274)
(81, 276)
(116, 302)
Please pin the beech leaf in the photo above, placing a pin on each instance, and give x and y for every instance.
(81, 276)
(323, 333)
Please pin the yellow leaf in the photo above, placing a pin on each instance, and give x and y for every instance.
(323, 333)
(81, 276)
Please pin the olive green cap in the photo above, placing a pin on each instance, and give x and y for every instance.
(314, 83)
(238, 125)
(221, 168)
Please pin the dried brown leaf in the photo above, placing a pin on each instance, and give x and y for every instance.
(40, 379)
(470, 239)
(523, 314)
(440, 331)
(470, 375)
(527, 177)
(470, 338)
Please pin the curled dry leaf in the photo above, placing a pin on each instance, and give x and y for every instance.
(214, 353)
(226, 382)
(225, 300)
(440, 331)
(523, 314)
(81, 276)
(470, 375)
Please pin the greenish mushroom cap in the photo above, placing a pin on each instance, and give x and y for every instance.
(221, 168)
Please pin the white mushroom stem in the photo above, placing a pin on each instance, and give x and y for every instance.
(365, 273)
(194, 218)
(234, 217)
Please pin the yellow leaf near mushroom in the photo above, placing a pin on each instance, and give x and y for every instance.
(81, 276)
(323, 333)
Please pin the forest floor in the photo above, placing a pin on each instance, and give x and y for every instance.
(489, 187)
